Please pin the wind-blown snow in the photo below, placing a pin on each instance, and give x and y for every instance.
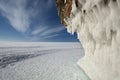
(40, 61)
(97, 24)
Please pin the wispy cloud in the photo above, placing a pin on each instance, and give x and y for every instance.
(51, 36)
(38, 31)
(47, 32)
(14, 11)
(52, 31)
(23, 14)
(17, 13)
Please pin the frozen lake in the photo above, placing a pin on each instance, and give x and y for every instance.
(40, 61)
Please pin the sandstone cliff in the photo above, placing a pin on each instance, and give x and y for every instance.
(64, 9)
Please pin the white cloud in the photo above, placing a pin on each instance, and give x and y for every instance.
(52, 31)
(50, 36)
(15, 12)
(38, 31)
(20, 17)
(44, 32)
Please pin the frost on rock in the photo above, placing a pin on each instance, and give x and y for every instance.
(97, 24)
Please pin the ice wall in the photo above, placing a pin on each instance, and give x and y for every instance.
(97, 24)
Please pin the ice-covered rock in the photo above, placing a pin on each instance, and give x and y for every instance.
(97, 24)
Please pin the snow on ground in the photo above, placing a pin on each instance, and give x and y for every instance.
(40, 61)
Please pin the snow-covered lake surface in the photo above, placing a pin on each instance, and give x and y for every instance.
(40, 61)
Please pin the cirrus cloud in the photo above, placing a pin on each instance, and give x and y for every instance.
(15, 12)
(25, 15)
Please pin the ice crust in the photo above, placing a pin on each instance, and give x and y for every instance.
(40, 61)
(97, 24)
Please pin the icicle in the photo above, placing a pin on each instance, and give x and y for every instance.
(97, 26)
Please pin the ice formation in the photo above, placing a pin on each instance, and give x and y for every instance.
(97, 24)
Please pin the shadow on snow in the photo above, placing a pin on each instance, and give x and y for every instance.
(11, 59)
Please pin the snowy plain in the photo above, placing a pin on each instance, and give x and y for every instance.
(40, 61)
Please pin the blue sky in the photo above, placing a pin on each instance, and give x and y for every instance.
(31, 20)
